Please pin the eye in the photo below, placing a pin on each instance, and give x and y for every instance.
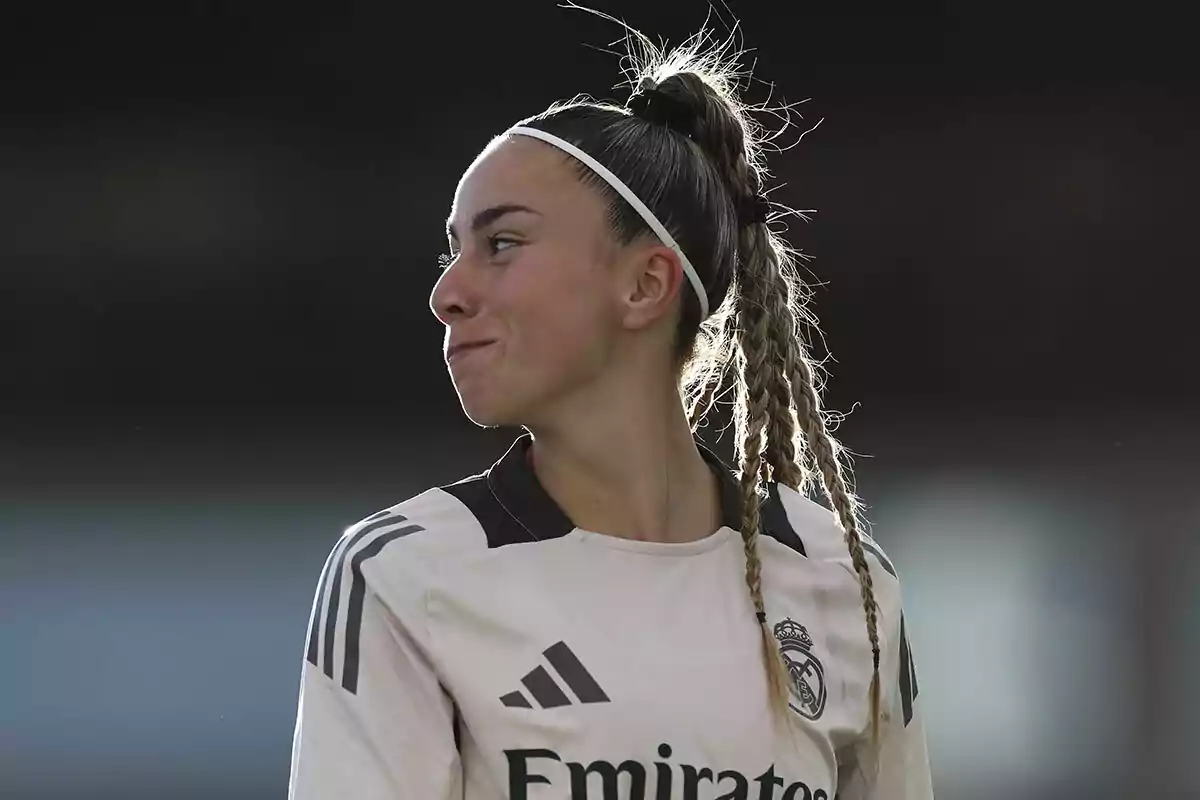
(496, 245)
(500, 243)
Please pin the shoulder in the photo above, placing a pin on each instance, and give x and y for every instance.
(403, 543)
(407, 544)
(826, 551)
(392, 553)
(385, 558)
(816, 528)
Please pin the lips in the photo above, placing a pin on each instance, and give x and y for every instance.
(457, 351)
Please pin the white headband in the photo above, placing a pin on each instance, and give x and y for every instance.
(631, 198)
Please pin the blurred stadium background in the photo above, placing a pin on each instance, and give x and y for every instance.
(218, 234)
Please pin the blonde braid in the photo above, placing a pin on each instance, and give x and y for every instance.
(778, 353)
(776, 376)
(751, 420)
(824, 449)
(781, 434)
(764, 405)
(729, 156)
(757, 405)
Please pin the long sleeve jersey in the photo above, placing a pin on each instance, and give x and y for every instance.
(472, 643)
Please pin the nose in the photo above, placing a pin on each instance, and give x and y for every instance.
(452, 297)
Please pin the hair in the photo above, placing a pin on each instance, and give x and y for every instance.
(696, 182)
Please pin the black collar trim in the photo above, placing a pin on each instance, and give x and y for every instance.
(512, 506)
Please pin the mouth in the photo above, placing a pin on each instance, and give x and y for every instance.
(459, 350)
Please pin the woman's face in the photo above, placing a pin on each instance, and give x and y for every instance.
(529, 303)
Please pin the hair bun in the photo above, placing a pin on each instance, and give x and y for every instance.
(654, 105)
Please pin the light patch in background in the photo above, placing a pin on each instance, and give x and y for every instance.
(157, 645)
(1016, 605)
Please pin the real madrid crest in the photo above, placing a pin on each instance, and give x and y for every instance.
(808, 676)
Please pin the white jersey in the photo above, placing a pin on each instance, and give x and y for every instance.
(472, 643)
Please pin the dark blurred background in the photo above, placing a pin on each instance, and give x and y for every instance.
(218, 230)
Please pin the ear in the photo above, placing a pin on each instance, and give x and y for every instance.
(651, 279)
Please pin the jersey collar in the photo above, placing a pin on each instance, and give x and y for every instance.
(515, 485)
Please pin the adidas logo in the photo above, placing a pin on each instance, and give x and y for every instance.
(546, 691)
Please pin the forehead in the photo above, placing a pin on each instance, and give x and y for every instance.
(518, 169)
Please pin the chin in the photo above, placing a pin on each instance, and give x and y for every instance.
(487, 413)
(486, 421)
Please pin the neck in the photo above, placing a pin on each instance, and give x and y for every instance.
(626, 464)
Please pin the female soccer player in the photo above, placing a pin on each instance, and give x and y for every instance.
(607, 611)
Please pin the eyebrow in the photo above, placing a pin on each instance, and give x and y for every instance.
(489, 215)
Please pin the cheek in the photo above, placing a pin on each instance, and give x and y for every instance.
(566, 337)
(561, 327)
